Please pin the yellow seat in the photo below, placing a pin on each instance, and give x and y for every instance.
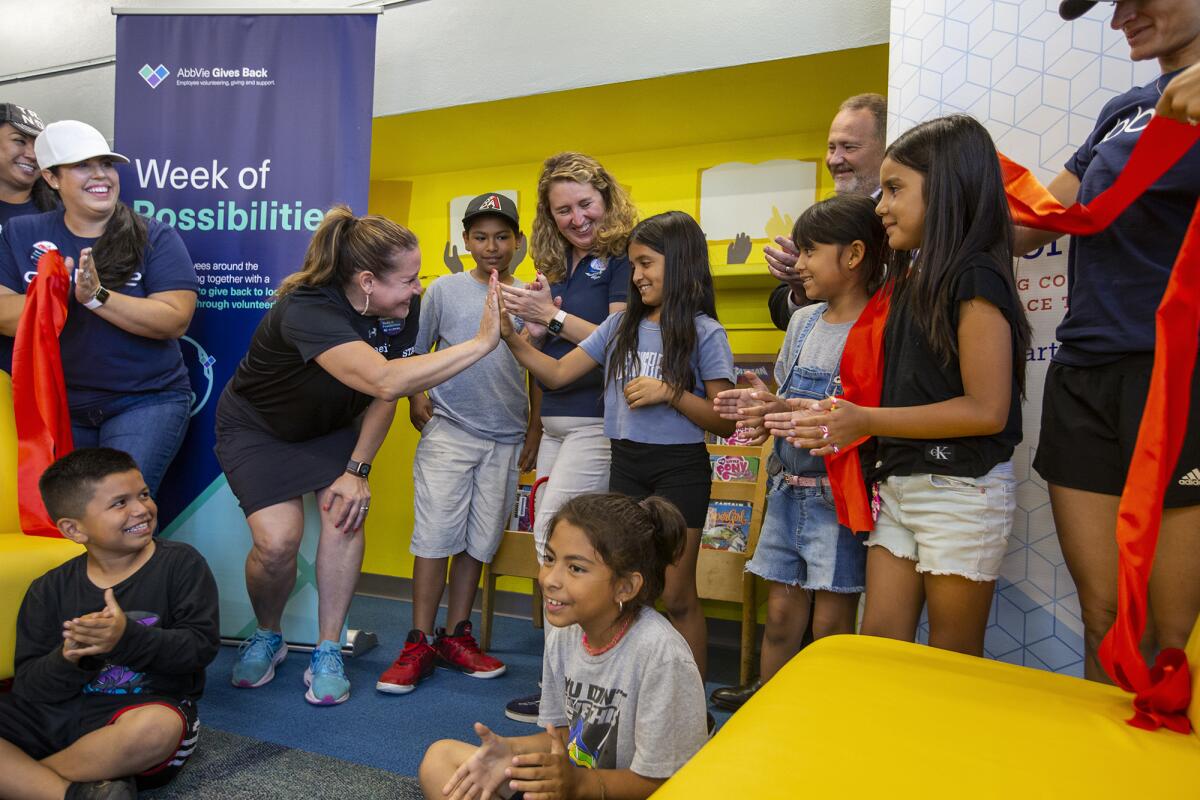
(858, 716)
(22, 558)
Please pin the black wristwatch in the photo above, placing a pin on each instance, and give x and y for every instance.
(555, 325)
(360, 468)
(98, 299)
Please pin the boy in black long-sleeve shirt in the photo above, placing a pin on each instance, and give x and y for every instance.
(111, 646)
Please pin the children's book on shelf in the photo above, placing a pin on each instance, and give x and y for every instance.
(734, 468)
(727, 526)
(520, 520)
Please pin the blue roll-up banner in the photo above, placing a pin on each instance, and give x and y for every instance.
(241, 129)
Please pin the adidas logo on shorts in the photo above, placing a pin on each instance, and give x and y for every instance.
(1191, 479)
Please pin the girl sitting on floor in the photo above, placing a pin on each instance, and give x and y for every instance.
(622, 696)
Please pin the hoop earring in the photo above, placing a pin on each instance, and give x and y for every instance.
(620, 607)
(366, 305)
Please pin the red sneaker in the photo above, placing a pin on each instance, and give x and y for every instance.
(462, 653)
(414, 664)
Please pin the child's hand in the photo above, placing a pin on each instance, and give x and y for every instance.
(645, 391)
(826, 427)
(420, 410)
(484, 773)
(493, 319)
(532, 302)
(97, 633)
(545, 776)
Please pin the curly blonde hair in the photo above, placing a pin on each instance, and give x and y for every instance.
(549, 247)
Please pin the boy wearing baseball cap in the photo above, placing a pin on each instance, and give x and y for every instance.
(22, 188)
(465, 468)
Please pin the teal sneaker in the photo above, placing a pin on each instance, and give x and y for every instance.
(326, 676)
(257, 658)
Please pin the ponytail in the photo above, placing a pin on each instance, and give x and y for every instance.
(344, 245)
(629, 537)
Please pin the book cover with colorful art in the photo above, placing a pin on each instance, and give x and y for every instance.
(734, 468)
(727, 526)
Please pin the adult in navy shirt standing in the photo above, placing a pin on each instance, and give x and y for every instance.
(1096, 386)
(23, 190)
(135, 291)
(306, 412)
(580, 232)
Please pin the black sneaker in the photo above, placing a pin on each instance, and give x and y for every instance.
(121, 789)
(731, 698)
(711, 722)
(524, 709)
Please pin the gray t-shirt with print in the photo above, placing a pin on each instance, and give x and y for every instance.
(488, 398)
(640, 706)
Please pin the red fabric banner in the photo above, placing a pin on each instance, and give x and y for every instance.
(1162, 694)
(39, 390)
(862, 384)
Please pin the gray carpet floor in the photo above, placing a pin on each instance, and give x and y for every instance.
(233, 767)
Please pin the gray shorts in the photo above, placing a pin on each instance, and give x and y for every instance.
(464, 488)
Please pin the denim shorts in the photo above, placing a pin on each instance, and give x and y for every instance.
(948, 525)
(802, 544)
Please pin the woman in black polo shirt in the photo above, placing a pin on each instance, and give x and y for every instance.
(306, 411)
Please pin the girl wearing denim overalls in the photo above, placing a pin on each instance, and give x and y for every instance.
(809, 560)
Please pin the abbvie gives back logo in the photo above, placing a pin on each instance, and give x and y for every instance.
(154, 75)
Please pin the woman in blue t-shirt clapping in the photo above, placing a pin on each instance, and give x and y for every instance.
(135, 291)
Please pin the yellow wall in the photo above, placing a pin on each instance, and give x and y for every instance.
(751, 113)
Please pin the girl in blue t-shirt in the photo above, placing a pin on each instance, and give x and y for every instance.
(666, 358)
(950, 417)
(810, 562)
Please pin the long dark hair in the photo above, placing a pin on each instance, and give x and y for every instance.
(843, 220)
(43, 195)
(629, 537)
(966, 218)
(687, 291)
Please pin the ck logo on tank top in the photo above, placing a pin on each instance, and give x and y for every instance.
(942, 453)
(596, 268)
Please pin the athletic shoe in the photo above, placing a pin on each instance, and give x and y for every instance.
(524, 709)
(731, 698)
(326, 676)
(414, 664)
(119, 789)
(257, 658)
(461, 652)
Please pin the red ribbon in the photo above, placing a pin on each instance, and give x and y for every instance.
(861, 372)
(39, 389)
(1162, 694)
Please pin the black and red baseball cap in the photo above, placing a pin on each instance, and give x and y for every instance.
(491, 203)
(1074, 9)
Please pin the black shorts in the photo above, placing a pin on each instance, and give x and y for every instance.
(677, 472)
(1090, 419)
(43, 729)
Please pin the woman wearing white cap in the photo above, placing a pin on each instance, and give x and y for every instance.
(135, 291)
(22, 188)
(1097, 384)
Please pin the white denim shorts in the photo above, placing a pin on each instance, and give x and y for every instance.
(464, 488)
(948, 525)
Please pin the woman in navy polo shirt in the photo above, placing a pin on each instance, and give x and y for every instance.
(135, 291)
(1097, 384)
(580, 232)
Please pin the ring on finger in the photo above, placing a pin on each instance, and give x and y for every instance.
(836, 449)
(824, 431)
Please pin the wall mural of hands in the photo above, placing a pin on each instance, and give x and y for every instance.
(450, 258)
(739, 249)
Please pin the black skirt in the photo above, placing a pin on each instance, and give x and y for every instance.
(264, 470)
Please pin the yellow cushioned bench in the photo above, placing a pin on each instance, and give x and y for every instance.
(863, 717)
(22, 558)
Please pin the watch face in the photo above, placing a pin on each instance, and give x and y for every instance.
(101, 295)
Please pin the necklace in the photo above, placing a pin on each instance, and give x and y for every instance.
(599, 651)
